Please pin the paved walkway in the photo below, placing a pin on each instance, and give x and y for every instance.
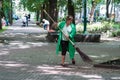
(25, 55)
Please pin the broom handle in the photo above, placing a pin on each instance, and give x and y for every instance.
(48, 15)
(58, 27)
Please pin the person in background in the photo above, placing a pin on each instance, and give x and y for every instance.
(24, 20)
(3, 22)
(63, 43)
(26, 16)
(29, 17)
(46, 24)
(7, 22)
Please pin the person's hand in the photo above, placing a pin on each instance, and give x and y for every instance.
(67, 37)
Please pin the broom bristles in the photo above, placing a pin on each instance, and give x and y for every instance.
(83, 55)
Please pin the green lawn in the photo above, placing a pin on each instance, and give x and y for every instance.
(4, 28)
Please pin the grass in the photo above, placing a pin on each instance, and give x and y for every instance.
(3, 29)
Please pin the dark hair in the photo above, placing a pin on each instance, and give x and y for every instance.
(69, 17)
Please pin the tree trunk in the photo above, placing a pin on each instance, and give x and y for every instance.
(71, 9)
(37, 15)
(92, 14)
(0, 14)
(111, 10)
(42, 12)
(53, 11)
(91, 17)
(10, 13)
(107, 8)
(0, 21)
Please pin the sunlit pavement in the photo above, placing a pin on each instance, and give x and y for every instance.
(26, 55)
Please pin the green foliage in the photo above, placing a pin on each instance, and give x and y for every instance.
(116, 33)
(117, 1)
(110, 28)
(78, 4)
(106, 26)
(101, 19)
(116, 25)
(6, 4)
(61, 3)
(96, 27)
(32, 5)
(6, 7)
(116, 29)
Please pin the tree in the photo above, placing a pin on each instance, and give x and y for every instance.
(117, 1)
(7, 10)
(71, 9)
(78, 7)
(0, 14)
(53, 10)
(107, 8)
(39, 5)
(33, 6)
(94, 4)
(10, 13)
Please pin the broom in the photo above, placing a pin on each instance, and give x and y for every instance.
(83, 55)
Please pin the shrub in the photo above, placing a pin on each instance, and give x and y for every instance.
(116, 33)
(116, 26)
(105, 27)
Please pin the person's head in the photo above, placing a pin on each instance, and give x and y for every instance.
(69, 19)
(43, 20)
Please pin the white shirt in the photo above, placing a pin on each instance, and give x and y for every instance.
(24, 19)
(46, 22)
(66, 30)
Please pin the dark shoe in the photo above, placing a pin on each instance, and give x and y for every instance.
(63, 65)
(73, 61)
